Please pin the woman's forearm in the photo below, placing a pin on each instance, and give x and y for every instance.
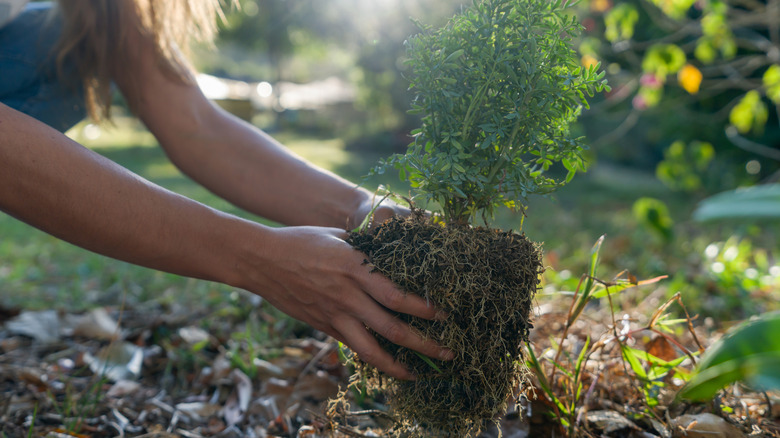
(233, 159)
(310, 273)
(68, 191)
(252, 170)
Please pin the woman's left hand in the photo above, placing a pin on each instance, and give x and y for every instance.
(386, 209)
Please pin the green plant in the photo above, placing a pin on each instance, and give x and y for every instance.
(75, 406)
(732, 279)
(497, 89)
(654, 214)
(695, 78)
(563, 374)
(32, 423)
(751, 204)
(749, 353)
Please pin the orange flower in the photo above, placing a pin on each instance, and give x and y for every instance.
(600, 5)
(588, 61)
(689, 77)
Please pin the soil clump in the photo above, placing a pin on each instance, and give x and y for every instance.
(485, 280)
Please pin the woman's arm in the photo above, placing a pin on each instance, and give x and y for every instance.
(56, 185)
(308, 272)
(61, 187)
(234, 159)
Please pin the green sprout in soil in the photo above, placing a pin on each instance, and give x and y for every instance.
(496, 89)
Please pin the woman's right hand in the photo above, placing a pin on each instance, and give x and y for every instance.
(313, 275)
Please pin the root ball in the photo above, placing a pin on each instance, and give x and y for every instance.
(485, 280)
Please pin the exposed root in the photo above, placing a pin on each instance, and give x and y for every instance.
(485, 280)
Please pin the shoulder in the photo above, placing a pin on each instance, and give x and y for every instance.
(9, 9)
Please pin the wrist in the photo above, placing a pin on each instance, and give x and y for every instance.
(345, 211)
(238, 245)
(360, 207)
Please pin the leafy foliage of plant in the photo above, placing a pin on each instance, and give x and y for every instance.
(709, 63)
(749, 353)
(754, 203)
(654, 214)
(497, 89)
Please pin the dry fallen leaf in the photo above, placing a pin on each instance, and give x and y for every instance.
(198, 410)
(95, 324)
(661, 348)
(704, 426)
(319, 386)
(10, 344)
(193, 335)
(238, 401)
(117, 361)
(159, 435)
(123, 388)
(43, 326)
(609, 421)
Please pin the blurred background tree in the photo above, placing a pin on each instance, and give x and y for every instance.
(306, 40)
(696, 83)
(696, 88)
(693, 111)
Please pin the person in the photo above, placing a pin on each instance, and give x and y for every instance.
(306, 269)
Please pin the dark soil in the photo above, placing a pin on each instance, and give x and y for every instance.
(485, 280)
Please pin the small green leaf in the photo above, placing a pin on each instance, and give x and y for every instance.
(749, 114)
(454, 56)
(428, 360)
(771, 80)
(749, 353)
(663, 59)
(631, 356)
(584, 296)
(536, 367)
(754, 203)
(581, 358)
(570, 175)
(342, 352)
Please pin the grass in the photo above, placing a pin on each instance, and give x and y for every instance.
(78, 404)
(568, 392)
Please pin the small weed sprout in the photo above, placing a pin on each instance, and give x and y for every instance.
(77, 406)
(32, 422)
(562, 376)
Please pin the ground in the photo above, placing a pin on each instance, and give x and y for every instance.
(126, 351)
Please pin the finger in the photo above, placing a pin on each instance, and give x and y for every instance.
(385, 212)
(387, 293)
(368, 349)
(400, 333)
(338, 233)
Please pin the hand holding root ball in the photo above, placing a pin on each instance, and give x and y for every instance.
(319, 278)
(49, 181)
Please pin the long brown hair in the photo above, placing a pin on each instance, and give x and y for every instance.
(95, 30)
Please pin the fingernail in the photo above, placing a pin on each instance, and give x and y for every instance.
(441, 315)
(446, 354)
